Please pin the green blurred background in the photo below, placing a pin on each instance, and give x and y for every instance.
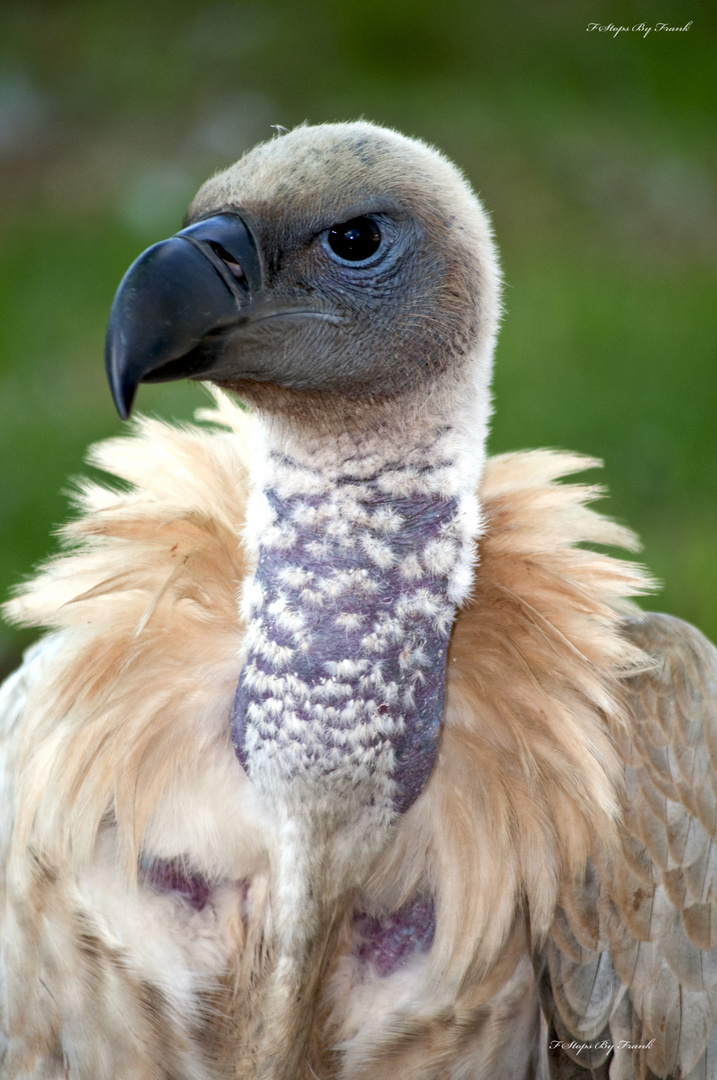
(595, 154)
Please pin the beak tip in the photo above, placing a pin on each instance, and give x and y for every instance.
(123, 397)
(124, 408)
(123, 390)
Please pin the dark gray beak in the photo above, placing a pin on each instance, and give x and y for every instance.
(177, 304)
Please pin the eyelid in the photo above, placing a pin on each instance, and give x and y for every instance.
(371, 207)
(387, 226)
(380, 212)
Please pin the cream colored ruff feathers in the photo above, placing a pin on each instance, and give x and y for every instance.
(124, 754)
(348, 757)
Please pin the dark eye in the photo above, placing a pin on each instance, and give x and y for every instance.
(355, 240)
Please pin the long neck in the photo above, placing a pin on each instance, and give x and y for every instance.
(364, 549)
(360, 568)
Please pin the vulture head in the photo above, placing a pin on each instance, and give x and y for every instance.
(342, 279)
(337, 274)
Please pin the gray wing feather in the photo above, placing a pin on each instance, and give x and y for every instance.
(631, 960)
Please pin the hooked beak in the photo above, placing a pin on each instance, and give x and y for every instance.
(177, 304)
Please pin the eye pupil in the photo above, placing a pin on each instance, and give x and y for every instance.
(355, 240)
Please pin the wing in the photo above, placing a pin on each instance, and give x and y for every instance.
(628, 978)
(13, 696)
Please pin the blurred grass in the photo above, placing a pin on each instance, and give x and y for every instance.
(594, 153)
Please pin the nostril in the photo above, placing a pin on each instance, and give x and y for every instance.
(228, 259)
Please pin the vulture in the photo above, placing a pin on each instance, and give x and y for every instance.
(347, 754)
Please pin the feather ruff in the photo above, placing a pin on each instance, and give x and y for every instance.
(127, 730)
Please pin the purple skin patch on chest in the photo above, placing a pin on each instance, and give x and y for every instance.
(168, 876)
(369, 596)
(390, 942)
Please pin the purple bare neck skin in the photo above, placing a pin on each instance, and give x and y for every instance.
(390, 941)
(346, 657)
(169, 876)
